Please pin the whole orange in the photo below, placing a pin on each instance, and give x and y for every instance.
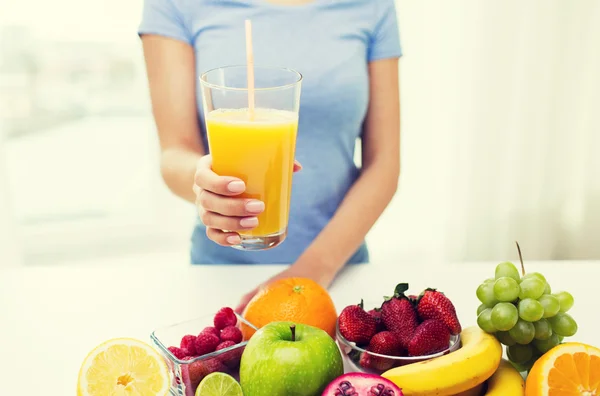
(299, 300)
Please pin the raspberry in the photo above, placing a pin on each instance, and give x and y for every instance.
(230, 358)
(210, 330)
(193, 373)
(225, 344)
(225, 317)
(179, 353)
(189, 342)
(206, 343)
(214, 365)
(231, 333)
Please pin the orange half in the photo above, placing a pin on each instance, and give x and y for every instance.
(569, 369)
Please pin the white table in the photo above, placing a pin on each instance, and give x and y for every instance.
(51, 317)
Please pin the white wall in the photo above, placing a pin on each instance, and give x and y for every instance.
(500, 121)
(9, 249)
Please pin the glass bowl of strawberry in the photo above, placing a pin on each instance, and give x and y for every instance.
(198, 347)
(400, 330)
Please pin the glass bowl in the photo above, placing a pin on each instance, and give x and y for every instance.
(378, 364)
(187, 374)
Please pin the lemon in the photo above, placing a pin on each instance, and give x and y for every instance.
(219, 384)
(123, 366)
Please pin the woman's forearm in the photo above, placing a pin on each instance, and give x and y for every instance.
(360, 209)
(178, 167)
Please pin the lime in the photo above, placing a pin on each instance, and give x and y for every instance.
(219, 384)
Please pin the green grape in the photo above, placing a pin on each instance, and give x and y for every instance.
(550, 304)
(505, 338)
(560, 339)
(543, 330)
(484, 321)
(507, 269)
(520, 367)
(506, 289)
(563, 324)
(565, 299)
(485, 294)
(489, 280)
(535, 275)
(481, 308)
(531, 288)
(519, 353)
(530, 310)
(504, 316)
(522, 332)
(545, 345)
(547, 289)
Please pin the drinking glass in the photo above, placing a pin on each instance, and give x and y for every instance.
(252, 136)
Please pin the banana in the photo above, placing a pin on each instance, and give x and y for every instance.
(506, 381)
(456, 372)
(478, 390)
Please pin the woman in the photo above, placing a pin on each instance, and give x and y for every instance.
(348, 52)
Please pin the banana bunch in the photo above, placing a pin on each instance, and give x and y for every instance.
(506, 381)
(476, 369)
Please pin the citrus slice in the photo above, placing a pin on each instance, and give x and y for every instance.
(123, 366)
(569, 369)
(219, 384)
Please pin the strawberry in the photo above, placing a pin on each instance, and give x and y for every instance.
(376, 313)
(399, 315)
(365, 360)
(356, 325)
(384, 343)
(430, 337)
(433, 304)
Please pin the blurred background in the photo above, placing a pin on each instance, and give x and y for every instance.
(500, 127)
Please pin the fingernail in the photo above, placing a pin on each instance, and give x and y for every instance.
(249, 222)
(236, 186)
(233, 240)
(255, 206)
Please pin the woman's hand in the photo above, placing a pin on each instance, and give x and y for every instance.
(220, 210)
(218, 207)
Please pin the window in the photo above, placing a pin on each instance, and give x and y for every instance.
(80, 142)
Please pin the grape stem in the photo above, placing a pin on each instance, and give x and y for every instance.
(521, 259)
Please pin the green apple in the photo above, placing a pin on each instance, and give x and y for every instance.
(286, 358)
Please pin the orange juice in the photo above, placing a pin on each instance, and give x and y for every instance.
(260, 151)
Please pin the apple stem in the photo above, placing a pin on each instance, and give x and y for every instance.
(293, 329)
(521, 259)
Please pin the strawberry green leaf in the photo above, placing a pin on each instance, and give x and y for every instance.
(400, 289)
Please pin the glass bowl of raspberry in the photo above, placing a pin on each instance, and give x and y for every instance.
(368, 345)
(198, 347)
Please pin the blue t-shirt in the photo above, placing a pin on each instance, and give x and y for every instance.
(331, 43)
